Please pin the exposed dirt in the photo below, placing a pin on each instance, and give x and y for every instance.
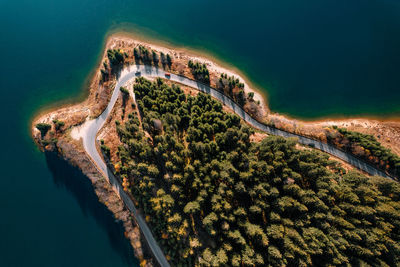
(119, 113)
(181, 58)
(75, 155)
(257, 137)
(387, 132)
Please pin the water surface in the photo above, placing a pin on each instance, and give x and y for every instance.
(312, 58)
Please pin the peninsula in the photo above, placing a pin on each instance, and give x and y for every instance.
(187, 154)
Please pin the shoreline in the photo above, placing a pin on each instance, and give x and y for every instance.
(197, 52)
(209, 56)
(216, 66)
(384, 129)
(213, 64)
(202, 54)
(76, 113)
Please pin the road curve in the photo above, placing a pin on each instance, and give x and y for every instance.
(89, 144)
(89, 141)
(149, 71)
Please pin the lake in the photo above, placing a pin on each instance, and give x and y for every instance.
(313, 59)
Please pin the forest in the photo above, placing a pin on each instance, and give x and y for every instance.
(366, 147)
(214, 198)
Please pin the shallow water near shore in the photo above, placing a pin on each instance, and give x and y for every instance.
(312, 59)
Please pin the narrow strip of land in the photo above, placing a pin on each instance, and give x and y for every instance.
(150, 71)
(93, 126)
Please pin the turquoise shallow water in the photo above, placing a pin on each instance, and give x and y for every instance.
(313, 58)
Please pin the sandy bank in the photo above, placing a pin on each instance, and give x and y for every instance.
(77, 117)
(386, 131)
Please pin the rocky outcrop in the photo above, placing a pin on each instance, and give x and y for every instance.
(74, 155)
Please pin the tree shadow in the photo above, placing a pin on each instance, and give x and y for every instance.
(78, 185)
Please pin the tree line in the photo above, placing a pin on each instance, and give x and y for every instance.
(110, 68)
(143, 55)
(214, 198)
(366, 147)
(200, 71)
(231, 86)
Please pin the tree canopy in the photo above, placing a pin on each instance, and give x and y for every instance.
(214, 198)
(366, 147)
(200, 71)
(115, 56)
(43, 128)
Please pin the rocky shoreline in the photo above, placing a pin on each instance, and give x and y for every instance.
(76, 157)
(70, 148)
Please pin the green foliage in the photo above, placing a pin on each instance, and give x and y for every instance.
(104, 72)
(145, 56)
(58, 124)
(367, 147)
(142, 55)
(116, 58)
(214, 198)
(250, 95)
(49, 141)
(232, 87)
(124, 91)
(163, 59)
(106, 150)
(43, 128)
(136, 54)
(200, 72)
(169, 61)
(125, 96)
(156, 59)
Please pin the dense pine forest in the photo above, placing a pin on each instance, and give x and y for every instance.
(214, 198)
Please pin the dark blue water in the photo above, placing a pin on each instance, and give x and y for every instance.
(312, 58)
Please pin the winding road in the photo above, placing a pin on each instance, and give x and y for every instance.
(93, 126)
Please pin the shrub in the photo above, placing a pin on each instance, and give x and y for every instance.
(43, 128)
(58, 124)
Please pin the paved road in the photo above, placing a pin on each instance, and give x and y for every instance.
(148, 71)
(89, 141)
